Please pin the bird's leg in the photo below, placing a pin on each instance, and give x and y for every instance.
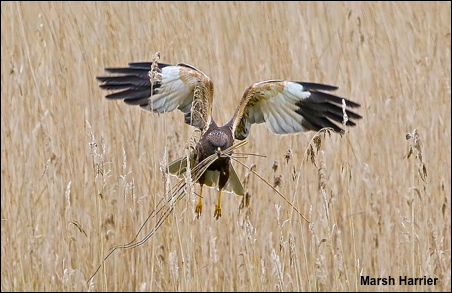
(198, 209)
(217, 213)
(222, 180)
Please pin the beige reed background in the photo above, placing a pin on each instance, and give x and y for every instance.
(80, 174)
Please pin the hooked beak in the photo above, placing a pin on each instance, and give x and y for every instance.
(218, 151)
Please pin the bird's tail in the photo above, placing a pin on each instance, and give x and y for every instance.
(178, 168)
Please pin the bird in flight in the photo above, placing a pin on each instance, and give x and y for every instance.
(284, 106)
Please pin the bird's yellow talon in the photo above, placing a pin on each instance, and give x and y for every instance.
(198, 208)
(217, 213)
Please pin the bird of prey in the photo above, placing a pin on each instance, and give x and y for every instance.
(284, 106)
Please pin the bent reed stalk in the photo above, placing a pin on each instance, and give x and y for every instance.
(164, 208)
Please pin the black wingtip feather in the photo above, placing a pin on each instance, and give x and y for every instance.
(311, 86)
(316, 124)
(320, 97)
(322, 110)
(129, 95)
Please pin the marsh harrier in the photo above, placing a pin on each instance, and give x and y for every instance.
(284, 106)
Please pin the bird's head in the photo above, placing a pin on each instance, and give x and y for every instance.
(216, 146)
(215, 142)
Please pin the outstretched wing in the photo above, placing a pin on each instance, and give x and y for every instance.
(290, 107)
(173, 87)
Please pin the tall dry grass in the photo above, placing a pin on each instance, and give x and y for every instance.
(80, 174)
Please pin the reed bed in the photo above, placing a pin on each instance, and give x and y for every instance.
(81, 174)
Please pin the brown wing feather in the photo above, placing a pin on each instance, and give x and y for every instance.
(290, 107)
(178, 86)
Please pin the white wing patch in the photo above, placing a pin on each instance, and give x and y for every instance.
(295, 91)
(279, 109)
(172, 94)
